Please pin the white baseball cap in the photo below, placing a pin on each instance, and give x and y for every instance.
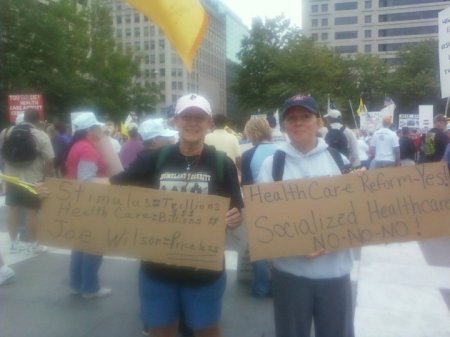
(192, 101)
(19, 118)
(85, 120)
(152, 128)
(334, 113)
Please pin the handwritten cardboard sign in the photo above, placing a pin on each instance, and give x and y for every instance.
(161, 226)
(298, 217)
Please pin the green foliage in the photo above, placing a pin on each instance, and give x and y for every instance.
(416, 81)
(277, 63)
(70, 56)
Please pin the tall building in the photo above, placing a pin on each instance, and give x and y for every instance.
(160, 63)
(380, 27)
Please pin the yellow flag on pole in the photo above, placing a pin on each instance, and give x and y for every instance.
(184, 23)
(361, 108)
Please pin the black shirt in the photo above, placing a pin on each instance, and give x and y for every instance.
(407, 148)
(173, 175)
(436, 141)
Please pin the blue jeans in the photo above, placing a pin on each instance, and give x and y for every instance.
(84, 272)
(261, 278)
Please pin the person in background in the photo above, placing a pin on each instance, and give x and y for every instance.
(436, 140)
(131, 147)
(155, 134)
(384, 146)
(18, 199)
(60, 143)
(363, 150)
(83, 163)
(109, 131)
(277, 135)
(407, 148)
(317, 287)
(259, 132)
(335, 124)
(223, 140)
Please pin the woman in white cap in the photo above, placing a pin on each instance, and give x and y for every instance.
(155, 134)
(192, 166)
(84, 163)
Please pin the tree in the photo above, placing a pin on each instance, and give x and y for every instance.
(258, 55)
(416, 80)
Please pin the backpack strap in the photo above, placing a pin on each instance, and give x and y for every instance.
(337, 157)
(279, 158)
(162, 157)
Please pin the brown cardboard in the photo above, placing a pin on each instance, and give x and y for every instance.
(298, 217)
(182, 229)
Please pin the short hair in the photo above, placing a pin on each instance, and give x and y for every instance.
(60, 127)
(31, 116)
(133, 132)
(405, 130)
(271, 120)
(439, 118)
(387, 120)
(220, 120)
(257, 130)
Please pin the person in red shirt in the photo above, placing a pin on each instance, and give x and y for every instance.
(84, 163)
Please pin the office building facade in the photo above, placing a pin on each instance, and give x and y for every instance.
(379, 27)
(160, 64)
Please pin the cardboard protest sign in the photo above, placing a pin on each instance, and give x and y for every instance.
(183, 229)
(298, 217)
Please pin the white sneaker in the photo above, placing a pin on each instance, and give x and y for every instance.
(16, 247)
(102, 292)
(35, 248)
(6, 274)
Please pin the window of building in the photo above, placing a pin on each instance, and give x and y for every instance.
(408, 31)
(146, 31)
(324, 22)
(315, 8)
(367, 33)
(146, 59)
(127, 18)
(173, 72)
(344, 6)
(346, 49)
(174, 98)
(324, 8)
(162, 72)
(119, 6)
(368, 19)
(180, 85)
(119, 19)
(314, 36)
(152, 30)
(137, 46)
(382, 47)
(152, 59)
(119, 33)
(137, 17)
(128, 32)
(162, 58)
(315, 23)
(392, 3)
(324, 36)
(163, 97)
(368, 4)
(346, 35)
(147, 72)
(137, 31)
(346, 20)
(146, 45)
(417, 15)
(161, 44)
(368, 48)
(162, 85)
(152, 45)
(394, 61)
(180, 72)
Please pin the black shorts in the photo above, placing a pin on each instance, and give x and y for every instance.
(21, 197)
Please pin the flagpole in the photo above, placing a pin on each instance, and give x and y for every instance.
(446, 106)
(353, 114)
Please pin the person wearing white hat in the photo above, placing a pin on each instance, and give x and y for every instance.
(155, 134)
(84, 163)
(190, 166)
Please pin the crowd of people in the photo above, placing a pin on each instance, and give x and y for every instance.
(305, 289)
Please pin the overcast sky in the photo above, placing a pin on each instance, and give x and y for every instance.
(247, 9)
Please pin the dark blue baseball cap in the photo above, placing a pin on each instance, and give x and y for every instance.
(300, 100)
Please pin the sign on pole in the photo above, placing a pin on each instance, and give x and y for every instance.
(425, 117)
(20, 103)
(444, 51)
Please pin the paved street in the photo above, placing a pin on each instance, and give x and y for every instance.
(400, 290)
